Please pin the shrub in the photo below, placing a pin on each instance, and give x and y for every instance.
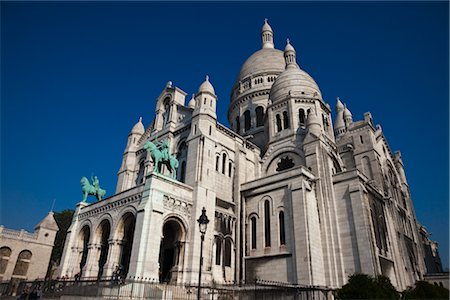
(362, 286)
(425, 290)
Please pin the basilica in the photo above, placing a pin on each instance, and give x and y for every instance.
(293, 194)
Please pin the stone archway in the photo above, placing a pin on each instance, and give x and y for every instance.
(126, 234)
(83, 242)
(103, 232)
(171, 254)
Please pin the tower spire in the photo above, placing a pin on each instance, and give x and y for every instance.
(267, 36)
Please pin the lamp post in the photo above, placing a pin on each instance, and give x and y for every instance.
(202, 224)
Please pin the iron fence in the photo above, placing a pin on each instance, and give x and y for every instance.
(145, 289)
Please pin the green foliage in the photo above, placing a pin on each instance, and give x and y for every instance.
(425, 290)
(362, 286)
(63, 219)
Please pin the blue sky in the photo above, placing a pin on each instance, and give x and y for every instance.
(76, 76)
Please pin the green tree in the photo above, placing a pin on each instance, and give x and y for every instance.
(363, 286)
(425, 290)
(63, 219)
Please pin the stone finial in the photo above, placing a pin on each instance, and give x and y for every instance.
(169, 84)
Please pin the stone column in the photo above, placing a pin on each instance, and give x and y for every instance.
(113, 260)
(91, 268)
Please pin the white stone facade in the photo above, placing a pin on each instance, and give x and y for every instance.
(290, 197)
(25, 255)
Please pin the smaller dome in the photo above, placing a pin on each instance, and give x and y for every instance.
(206, 86)
(191, 103)
(347, 113)
(288, 47)
(339, 105)
(138, 127)
(266, 26)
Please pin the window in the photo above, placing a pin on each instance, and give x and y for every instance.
(285, 163)
(259, 116)
(253, 228)
(140, 175)
(361, 139)
(238, 124)
(183, 172)
(227, 254)
(5, 253)
(224, 160)
(247, 120)
(282, 232)
(285, 120)
(210, 129)
(301, 116)
(267, 223)
(278, 123)
(218, 250)
(23, 261)
(229, 169)
(217, 163)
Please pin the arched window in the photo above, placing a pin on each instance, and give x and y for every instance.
(278, 123)
(285, 120)
(224, 161)
(301, 116)
(227, 254)
(218, 250)
(217, 163)
(5, 253)
(166, 111)
(247, 120)
(22, 264)
(229, 169)
(238, 124)
(253, 228)
(183, 171)
(259, 116)
(267, 223)
(281, 224)
(140, 175)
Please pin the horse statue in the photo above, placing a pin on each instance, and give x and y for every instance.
(89, 189)
(160, 155)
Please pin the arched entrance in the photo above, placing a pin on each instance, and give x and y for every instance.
(104, 231)
(126, 233)
(171, 254)
(85, 235)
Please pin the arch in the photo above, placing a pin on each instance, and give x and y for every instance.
(278, 122)
(171, 255)
(224, 162)
(267, 213)
(301, 116)
(22, 264)
(227, 252)
(218, 242)
(286, 122)
(103, 233)
(259, 116)
(281, 228)
(166, 106)
(217, 162)
(84, 237)
(253, 224)
(125, 233)
(141, 171)
(270, 165)
(5, 253)
(247, 120)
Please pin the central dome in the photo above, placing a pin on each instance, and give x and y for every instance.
(295, 82)
(264, 60)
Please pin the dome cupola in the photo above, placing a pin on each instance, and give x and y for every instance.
(191, 103)
(138, 128)
(267, 36)
(293, 81)
(206, 86)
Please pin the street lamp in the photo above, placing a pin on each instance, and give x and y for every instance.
(202, 224)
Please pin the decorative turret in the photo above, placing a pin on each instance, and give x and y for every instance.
(267, 36)
(191, 103)
(289, 55)
(205, 99)
(136, 132)
(339, 124)
(47, 228)
(347, 117)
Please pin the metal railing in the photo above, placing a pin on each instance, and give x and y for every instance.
(144, 289)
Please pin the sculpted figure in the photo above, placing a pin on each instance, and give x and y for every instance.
(160, 155)
(93, 189)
